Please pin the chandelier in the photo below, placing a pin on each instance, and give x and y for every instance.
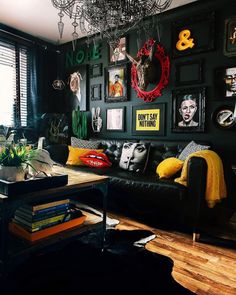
(110, 18)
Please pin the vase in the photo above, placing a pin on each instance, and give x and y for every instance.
(12, 173)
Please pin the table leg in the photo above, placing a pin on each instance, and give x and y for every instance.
(4, 242)
(104, 190)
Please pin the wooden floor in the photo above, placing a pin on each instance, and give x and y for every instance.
(200, 267)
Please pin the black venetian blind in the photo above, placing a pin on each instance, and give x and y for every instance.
(14, 84)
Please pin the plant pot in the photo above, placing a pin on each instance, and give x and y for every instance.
(12, 173)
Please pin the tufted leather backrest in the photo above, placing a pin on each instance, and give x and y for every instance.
(159, 150)
(162, 150)
(113, 149)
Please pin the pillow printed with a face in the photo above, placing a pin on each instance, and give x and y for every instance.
(134, 156)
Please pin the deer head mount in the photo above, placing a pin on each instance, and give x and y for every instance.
(150, 66)
(147, 70)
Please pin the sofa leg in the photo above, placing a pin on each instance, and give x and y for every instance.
(196, 237)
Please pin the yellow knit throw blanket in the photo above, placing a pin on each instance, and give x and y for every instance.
(215, 183)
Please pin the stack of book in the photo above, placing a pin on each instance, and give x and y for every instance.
(34, 222)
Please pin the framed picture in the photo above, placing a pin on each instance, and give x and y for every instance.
(119, 53)
(96, 92)
(230, 37)
(148, 119)
(116, 83)
(115, 119)
(193, 35)
(224, 117)
(189, 72)
(225, 81)
(188, 110)
(96, 70)
(77, 89)
(54, 127)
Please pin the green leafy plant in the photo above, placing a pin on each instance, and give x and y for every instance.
(15, 155)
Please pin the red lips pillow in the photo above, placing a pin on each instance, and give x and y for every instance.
(95, 159)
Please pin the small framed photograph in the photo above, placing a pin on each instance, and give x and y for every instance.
(119, 53)
(116, 83)
(188, 110)
(194, 34)
(96, 70)
(96, 92)
(115, 119)
(148, 119)
(225, 81)
(230, 37)
(189, 72)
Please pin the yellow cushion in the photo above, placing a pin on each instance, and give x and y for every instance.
(169, 167)
(75, 154)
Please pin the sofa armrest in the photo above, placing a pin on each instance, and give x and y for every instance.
(197, 173)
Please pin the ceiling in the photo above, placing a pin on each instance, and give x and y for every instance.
(39, 18)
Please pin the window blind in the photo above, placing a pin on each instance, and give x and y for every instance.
(14, 84)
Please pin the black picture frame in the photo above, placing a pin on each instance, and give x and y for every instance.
(202, 31)
(197, 122)
(225, 83)
(121, 50)
(73, 100)
(115, 119)
(223, 117)
(230, 37)
(112, 92)
(189, 72)
(96, 90)
(57, 122)
(95, 70)
(148, 119)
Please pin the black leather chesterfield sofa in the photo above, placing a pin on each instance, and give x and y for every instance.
(158, 202)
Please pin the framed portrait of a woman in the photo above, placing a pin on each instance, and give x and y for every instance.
(188, 110)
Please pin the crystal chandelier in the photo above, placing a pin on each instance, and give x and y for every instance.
(110, 18)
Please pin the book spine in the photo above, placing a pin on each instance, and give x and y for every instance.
(33, 230)
(43, 211)
(57, 207)
(44, 222)
(38, 217)
(38, 207)
(51, 204)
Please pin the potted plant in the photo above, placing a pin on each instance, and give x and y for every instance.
(14, 159)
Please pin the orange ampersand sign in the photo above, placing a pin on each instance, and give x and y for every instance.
(184, 41)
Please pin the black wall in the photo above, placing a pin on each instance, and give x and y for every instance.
(223, 141)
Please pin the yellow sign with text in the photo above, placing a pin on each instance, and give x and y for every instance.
(148, 120)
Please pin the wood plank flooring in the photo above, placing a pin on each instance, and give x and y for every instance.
(200, 267)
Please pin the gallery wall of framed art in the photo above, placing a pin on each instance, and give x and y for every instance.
(199, 42)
